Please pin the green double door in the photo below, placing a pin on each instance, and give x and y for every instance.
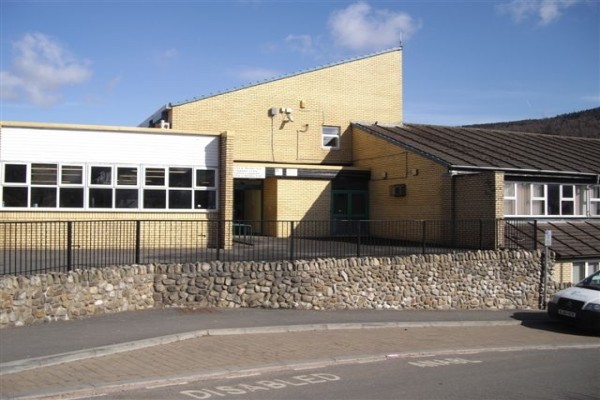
(348, 207)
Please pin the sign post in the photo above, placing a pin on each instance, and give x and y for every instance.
(547, 244)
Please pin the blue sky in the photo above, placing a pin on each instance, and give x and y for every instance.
(115, 62)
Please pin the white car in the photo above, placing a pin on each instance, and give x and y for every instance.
(579, 304)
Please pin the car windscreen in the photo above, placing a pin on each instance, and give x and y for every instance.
(591, 282)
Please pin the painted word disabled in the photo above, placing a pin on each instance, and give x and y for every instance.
(260, 386)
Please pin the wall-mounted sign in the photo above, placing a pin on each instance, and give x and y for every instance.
(249, 172)
(291, 172)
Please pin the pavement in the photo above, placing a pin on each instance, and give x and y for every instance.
(109, 353)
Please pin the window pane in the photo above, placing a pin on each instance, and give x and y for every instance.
(331, 130)
(579, 200)
(553, 199)
(15, 173)
(567, 191)
(340, 203)
(537, 207)
(155, 176)
(180, 199)
(155, 199)
(578, 272)
(595, 192)
(330, 141)
(180, 177)
(71, 175)
(101, 198)
(205, 177)
(43, 174)
(101, 176)
(523, 199)
(205, 199)
(126, 198)
(595, 208)
(43, 197)
(126, 176)
(359, 203)
(537, 190)
(509, 207)
(509, 189)
(567, 208)
(71, 197)
(14, 197)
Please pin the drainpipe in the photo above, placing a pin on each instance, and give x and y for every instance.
(453, 204)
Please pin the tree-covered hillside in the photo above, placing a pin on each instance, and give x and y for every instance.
(582, 123)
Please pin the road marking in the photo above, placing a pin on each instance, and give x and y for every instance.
(263, 385)
(166, 384)
(443, 362)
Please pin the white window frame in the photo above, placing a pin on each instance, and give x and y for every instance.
(588, 267)
(326, 136)
(114, 186)
(520, 189)
(197, 188)
(511, 198)
(594, 202)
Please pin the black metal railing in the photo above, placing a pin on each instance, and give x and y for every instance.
(35, 247)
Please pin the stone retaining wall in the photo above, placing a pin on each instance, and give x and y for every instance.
(476, 280)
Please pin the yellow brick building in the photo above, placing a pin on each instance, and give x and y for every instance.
(293, 149)
(326, 144)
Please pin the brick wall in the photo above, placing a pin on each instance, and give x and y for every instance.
(295, 200)
(365, 89)
(427, 183)
(479, 196)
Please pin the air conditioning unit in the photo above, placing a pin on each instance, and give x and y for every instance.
(398, 190)
(162, 124)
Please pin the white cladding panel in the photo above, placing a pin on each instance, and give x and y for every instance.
(107, 147)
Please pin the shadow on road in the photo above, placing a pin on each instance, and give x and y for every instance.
(540, 320)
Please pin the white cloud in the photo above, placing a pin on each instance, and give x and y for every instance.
(546, 11)
(358, 27)
(41, 68)
(301, 43)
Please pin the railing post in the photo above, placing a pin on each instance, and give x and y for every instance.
(292, 243)
(358, 237)
(423, 236)
(218, 241)
(69, 245)
(535, 234)
(138, 237)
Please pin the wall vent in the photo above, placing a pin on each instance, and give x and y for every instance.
(398, 190)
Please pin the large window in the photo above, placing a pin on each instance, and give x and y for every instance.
(107, 187)
(542, 199)
(595, 201)
(331, 137)
(581, 269)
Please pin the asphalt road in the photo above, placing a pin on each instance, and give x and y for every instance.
(516, 374)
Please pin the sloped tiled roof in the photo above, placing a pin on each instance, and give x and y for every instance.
(575, 239)
(571, 239)
(475, 148)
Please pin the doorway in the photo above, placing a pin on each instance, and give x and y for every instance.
(248, 204)
(348, 206)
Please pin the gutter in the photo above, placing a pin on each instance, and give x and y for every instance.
(526, 171)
